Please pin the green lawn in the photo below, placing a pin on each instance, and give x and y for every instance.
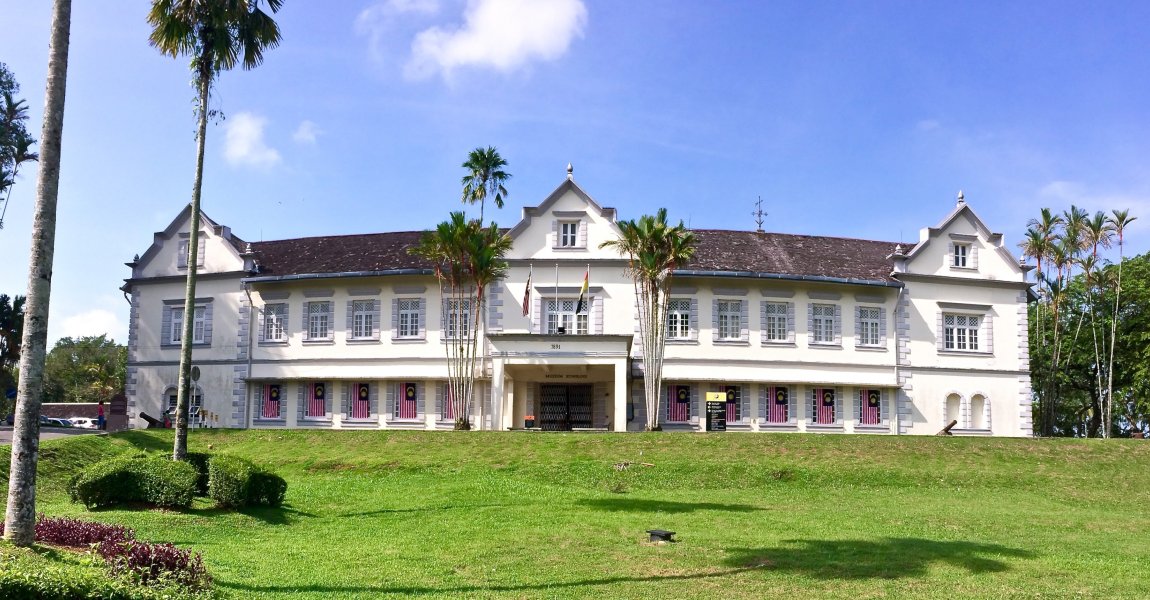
(531, 515)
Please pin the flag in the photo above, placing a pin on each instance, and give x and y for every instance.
(361, 406)
(527, 295)
(317, 400)
(679, 406)
(825, 399)
(581, 306)
(872, 401)
(408, 407)
(778, 408)
(272, 401)
(732, 403)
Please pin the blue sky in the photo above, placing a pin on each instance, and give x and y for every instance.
(856, 119)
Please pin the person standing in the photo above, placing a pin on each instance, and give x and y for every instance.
(100, 416)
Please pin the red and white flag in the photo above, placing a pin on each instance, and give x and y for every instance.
(871, 403)
(825, 399)
(778, 405)
(527, 294)
(317, 400)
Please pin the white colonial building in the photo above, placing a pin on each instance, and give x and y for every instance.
(801, 333)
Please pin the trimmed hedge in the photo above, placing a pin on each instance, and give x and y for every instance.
(155, 480)
(25, 575)
(233, 481)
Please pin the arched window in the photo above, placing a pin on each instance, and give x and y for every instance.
(979, 412)
(953, 409)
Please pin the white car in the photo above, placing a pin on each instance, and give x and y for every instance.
(83, 422)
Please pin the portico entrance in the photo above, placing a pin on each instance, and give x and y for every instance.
(565, 407)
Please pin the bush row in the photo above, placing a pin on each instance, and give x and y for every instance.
(75, 533)
(156, 480)
(153, 480)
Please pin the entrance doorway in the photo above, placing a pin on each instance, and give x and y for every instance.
(565, 407)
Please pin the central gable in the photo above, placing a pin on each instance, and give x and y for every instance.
(568, 224)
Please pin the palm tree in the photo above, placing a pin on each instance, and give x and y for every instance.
(217, 35)
(485, 177)
(654, 250)
(15, 144)
(1119, 220)
(20, 519)
(467, 259)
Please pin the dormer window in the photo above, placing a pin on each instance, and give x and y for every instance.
(961, 256)
(568, 234)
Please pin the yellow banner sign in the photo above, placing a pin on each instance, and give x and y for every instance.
(716, 396)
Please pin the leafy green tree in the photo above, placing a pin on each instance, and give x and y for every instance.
(467, 258)
(217, 35)
(11, 332)
(15, 141)
(654, 249)
(85, 369)
(20, 517)
(485, 178)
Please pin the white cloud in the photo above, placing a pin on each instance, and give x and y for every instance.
(377, 22)
(93, 322)
(306, 133)
(500, 34)
(244, 142)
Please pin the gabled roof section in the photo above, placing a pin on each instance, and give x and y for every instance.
(759, 254)
(929, 233)
(175, 227)
(569, 185)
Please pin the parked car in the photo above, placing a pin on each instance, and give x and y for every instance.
(54, 422)
(83, 422)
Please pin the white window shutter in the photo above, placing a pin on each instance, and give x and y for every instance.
(744, 403)
(882, 325)
(792, 404)
(555, 233)
(392, 387)
(762, 321)
(715, 320)
(597, 312)
(950, 254)
(345, 398)
(207, 323)
(764, 397)
(376, 318)
(791, 322)
(201, 247)
(260, 333)
(420, 395)
(373, 399)
(166, 327)
(940, 340)
(838, 324)
(330, 319)
(423, 318)
(810, 322)
(350, 319)
(988, 334)
(537, 315)
(394, 318)
(693, 322)
(744, 320)
(583, 234)
(440, 394)
(973, 258)
(858, 325)
(299, 404)
(303, 317)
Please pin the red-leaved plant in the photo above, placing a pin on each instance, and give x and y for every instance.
(155, 562)
(75, 533)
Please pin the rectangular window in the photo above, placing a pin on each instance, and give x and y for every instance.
(959, 257)
(869, 334)
(823, 410)
(363, 318)
(275, 317)
(319, 320)
(458, 318)
(199, 325)
(960, 332)
(679, 319)
(409, 317)
(730, 312)
(561, 313)
(568, 234)
(776, 328)
(823, 323)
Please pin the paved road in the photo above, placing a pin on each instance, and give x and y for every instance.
(46, 433)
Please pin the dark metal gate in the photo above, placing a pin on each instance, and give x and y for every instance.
(565, 407)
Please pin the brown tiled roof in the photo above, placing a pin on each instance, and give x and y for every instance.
(339, 254)
(717, 251)
(792, 255)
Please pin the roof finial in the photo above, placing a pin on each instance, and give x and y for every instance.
(248, 248)
(570, 172)
(898, 251)
(961, 198)
(758, 214)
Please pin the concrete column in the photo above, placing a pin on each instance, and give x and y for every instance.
(519, 404)
(497, 395)
(619, 395)
(336, 392)
(429, 414)
(292, 404)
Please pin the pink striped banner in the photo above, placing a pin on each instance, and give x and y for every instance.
(408, 405)
(871, 401)
(825, 401)
(271, 407)
(316, 400)
(678, 403)
(733, 398)
(361, 404)
(778, 405)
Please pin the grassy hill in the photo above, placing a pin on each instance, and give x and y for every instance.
(529, 515)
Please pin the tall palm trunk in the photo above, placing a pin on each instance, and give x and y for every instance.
(20, 520)
(1108, 402)
(180, 446)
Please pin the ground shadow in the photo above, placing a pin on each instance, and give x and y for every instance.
(887, 558)
(664, 506)
(420, 509)
(144, 441)
(475, 589)
(272, 515)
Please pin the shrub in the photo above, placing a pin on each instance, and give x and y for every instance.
(200, 460)
(26, 575)
(150, 563)
(234, 481)
(153, 480)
